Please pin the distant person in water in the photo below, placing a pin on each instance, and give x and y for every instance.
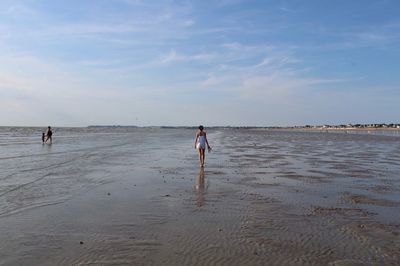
(49, 134)
(200, 144)
(43, 137)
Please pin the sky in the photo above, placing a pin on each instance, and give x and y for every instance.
(211, 62)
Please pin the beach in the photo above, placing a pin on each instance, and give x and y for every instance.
(137, 196)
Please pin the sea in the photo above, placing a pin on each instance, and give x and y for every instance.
(134, 196)
(35, 174)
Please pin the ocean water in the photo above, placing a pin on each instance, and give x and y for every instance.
(35, 174)
(134, 196)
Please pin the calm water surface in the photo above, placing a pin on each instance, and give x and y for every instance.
(35, 174)
(267, 191)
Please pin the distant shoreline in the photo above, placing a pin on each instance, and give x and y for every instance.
(305, 128)
(321, 129)
(379, 127)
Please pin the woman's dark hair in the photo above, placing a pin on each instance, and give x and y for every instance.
(201, 127)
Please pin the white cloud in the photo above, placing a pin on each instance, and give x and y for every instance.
(18, 10)
(91, 28)
(188, 23)
(277, 86)
(173, 56)
(132, 2)
(151, 56)
(35, 92)
(277, 61)
(223, 3)
(213, 80)
(100, 63)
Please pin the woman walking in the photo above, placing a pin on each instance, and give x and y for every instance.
(200, 144)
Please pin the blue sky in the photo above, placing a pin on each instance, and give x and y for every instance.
(226, 62)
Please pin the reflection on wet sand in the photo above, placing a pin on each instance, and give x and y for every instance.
(200, 188)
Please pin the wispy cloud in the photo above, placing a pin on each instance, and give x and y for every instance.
(128, 58)
(188, 23)
(18, 10)
(101, 63)
(88, 28)
(277, 62)
(51, 93)
(224, 3)
(173, 56)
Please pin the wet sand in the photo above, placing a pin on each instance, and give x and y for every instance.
(264, 198)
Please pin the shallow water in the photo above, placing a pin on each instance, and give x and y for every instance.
(35, 174)
(123, 196)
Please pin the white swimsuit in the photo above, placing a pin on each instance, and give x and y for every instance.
(201, 142)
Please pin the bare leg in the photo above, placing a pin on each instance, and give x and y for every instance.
(203, 155)
(202, 152)
(200, 157)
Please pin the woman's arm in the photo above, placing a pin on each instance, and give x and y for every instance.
(208, 146)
